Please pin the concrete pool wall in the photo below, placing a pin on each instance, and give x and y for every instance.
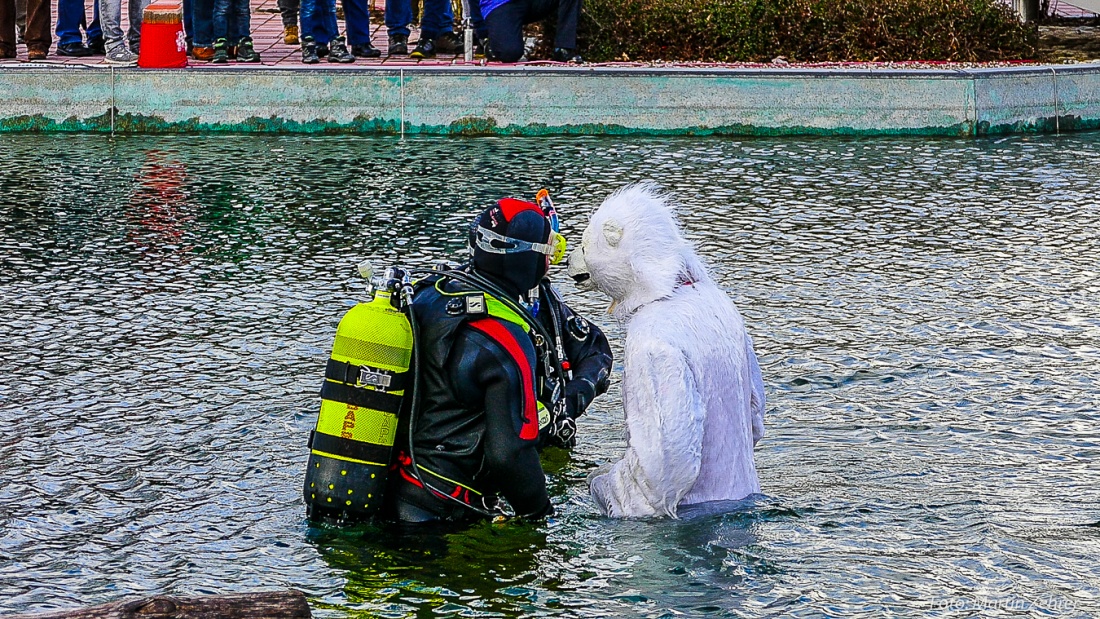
(552, 100)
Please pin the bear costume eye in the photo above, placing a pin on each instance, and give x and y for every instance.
(613, 234)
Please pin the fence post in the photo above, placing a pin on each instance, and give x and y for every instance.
(1026, 10)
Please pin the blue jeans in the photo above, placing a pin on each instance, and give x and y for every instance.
(231, 20)
(438, 18)
(319, 20)
(357, 21)
(202, 23)
(110, 13)
(70, 14)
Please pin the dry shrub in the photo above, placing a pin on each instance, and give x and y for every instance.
(803, 30)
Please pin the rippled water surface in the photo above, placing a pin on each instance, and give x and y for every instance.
(926, 313)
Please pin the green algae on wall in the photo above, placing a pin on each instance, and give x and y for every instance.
(535, 102)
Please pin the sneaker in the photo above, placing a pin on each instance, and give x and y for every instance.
(399, 45)
(481, 47)
(424, 49)
(309, 51)
(448, 43)
(290, 35)
(338, 51)
(562, 54)
(74, 50)
(246, 52)
(135, 46)
(121, 55)
(365, 51)
(97, 46)
(221, 52)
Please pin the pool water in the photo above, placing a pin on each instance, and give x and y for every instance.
(925, 312)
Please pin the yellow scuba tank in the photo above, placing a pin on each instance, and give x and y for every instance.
(365, 382)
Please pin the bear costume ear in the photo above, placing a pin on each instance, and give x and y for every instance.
(612, 233)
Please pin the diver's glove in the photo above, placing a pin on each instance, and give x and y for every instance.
(563, 432)
(579, 393)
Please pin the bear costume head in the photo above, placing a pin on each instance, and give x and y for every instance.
(633, 250)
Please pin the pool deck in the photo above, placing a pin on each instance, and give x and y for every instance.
(448, 96)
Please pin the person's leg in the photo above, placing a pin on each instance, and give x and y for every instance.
(110, 15)
(219, 20)
(288, 10)
(398, 17)
(438, 18)
(244, 20)
(38, 35)
(306, 10)
(504, 26)
(7, 29)
(325, 28)
(69, 14)
(569, 11)
(202, 16)
(135, 13)
(94, 32)
(356, 21)
(188, 23)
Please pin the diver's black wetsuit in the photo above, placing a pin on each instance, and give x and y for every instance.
(477, 432)
(477, 426)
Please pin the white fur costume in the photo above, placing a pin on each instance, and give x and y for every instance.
(692, 391)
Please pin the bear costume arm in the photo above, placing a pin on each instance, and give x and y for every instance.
(665, 429)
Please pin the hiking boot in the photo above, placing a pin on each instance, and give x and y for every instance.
(309, 51)
(448, 43)
(120, 55)
(399, 45)
(365, 51)
(221, 52)
(562, 54)
(246, 52)
(202, 53)
(338, 51)
(74, 50)
(97, 46)
(425, 48)
(36, 54)
(290, 35)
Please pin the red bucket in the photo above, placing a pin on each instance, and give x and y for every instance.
(163, 45)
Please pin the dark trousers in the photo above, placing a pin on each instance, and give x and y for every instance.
(357, 21)
(288, 10)
(504, 26)
(38, 35)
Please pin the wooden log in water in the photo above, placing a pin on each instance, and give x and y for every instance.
(267, 605)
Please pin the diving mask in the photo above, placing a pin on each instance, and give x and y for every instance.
(557, 240)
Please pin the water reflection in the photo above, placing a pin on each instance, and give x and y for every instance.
(924, 311)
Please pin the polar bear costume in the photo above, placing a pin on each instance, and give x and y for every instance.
(692, 391)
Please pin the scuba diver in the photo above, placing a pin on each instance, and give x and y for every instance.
(502, 368)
